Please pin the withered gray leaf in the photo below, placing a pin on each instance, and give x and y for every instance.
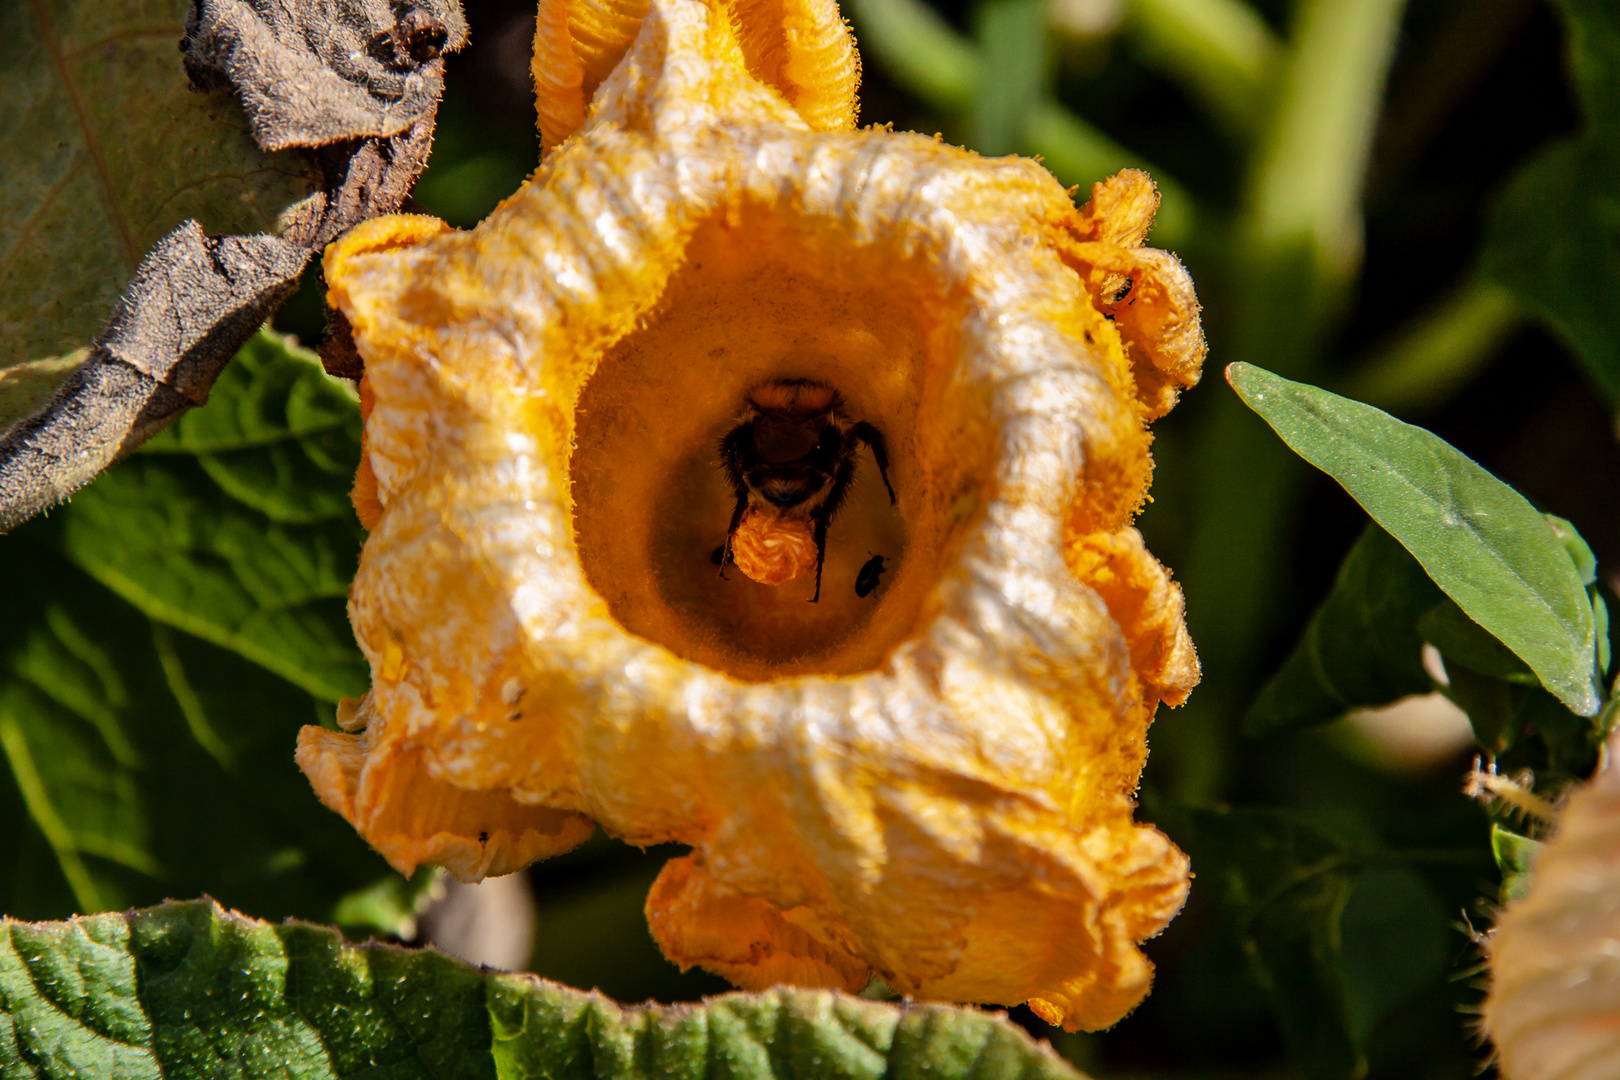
(322, 71)
(109, 149)
(192, 303)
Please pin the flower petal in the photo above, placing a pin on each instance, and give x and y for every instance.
(932, 784)
(801, 48)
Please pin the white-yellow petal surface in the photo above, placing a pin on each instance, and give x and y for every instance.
(933, 784)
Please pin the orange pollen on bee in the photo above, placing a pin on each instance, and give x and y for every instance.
(773, 547)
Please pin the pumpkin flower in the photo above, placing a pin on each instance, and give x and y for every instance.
(930, 784)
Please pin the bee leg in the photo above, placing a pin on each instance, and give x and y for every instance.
(731, 533)
(821, 552)
(732, 448)
(872, 437)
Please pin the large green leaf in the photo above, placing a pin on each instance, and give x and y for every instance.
(189, 990)
(1481, 541)
(104, 148)
(165, 636)
(1336, 930)
(235, 525)
(1361, 648)
(1554, 237)
(1283, 885)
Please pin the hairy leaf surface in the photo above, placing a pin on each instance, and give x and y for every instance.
(190, 990)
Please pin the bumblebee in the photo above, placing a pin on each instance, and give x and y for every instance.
(793, 448)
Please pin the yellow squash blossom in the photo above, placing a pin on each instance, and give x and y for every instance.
(932, 784)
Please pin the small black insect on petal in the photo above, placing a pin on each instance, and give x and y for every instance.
(867, 580)
(1124, 290)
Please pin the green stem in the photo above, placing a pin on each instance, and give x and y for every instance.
(924, 55)
(1312, 162)
(1013, 73)
(1430, 358)
(1221, 51)
(1296, 248)
(919, 50)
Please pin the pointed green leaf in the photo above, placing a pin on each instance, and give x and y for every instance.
(1463, 641)
(1480, 540)
(106, 148)
(189, 990)
(1361, 648)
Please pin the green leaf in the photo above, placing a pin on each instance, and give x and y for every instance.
(138, 762)
(391, 904)
(107, 147)
(1283, 883)
(1336, 930)
(1463, 641)
(1554, 240)
(1554, 235)
(190, 990)
(1361, 648)
(1593, 28)
(234, 524)
(1480, 540)
(164, 641)
(1394, 935)
(1515, 857)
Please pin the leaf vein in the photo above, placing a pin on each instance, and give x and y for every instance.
(92, 145)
